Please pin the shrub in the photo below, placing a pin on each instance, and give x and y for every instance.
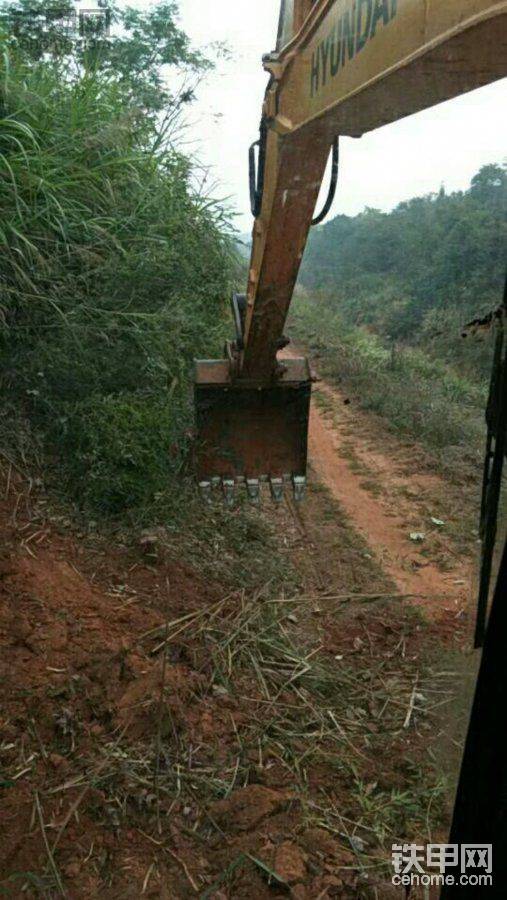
(121, 451)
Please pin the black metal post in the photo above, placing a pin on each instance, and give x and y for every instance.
(480, 813)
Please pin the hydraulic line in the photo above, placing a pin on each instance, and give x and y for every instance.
(335, 161)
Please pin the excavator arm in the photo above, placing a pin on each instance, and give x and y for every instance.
(341, 67)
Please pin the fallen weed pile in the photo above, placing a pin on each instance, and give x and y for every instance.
(246, 753)
(302, 712)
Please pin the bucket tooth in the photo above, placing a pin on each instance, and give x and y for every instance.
(229, 491)
(205, 490)
(253, 490)
(276, 485)
(299, 482)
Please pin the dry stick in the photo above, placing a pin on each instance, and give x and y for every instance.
(411, 704)
(48, 848)
(147, 877)
(13, 465)
(184, 867)
(344, 598)
(199, 613)
(344, 734)
(158, 745)
(191, 619)
(14, 515)
(9, 476)
(38, 739)
(150, 838)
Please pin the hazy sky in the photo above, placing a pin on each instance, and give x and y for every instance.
(445, 145)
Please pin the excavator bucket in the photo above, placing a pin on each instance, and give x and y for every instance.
(247, 434)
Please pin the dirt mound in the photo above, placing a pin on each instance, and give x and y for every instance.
(290, 863)
(245, 808)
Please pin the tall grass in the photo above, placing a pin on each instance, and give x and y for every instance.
(113, 274)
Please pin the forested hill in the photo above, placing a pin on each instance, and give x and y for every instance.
(433, 262)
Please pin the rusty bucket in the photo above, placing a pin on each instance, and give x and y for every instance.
(250, 434)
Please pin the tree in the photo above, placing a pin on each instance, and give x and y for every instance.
(131, 47)
(490, 185)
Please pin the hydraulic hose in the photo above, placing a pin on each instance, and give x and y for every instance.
(335, 160)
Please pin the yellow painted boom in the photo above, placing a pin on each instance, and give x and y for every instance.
(341, 67)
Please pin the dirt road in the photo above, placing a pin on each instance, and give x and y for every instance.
(380, 486)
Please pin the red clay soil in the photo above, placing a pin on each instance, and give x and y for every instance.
(385, 531)
(71, 666)
(77, 681)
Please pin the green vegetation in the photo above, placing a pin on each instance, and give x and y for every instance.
(417, 394)
(419, 273)
(114, 267)
(384, 301)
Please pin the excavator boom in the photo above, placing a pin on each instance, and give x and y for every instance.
(341, 67)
